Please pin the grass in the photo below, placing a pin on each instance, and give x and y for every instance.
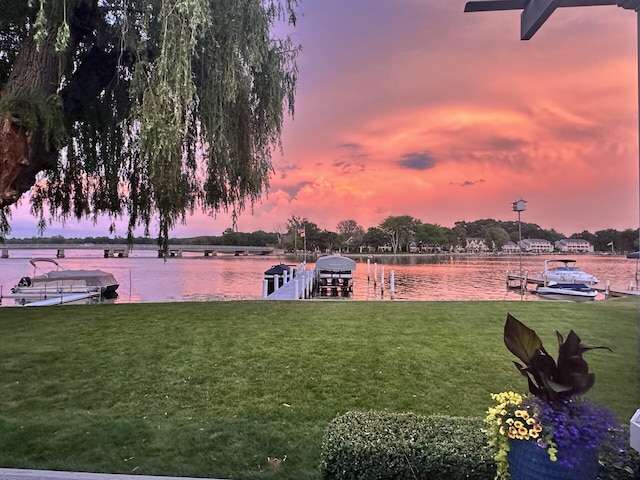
(213, 389)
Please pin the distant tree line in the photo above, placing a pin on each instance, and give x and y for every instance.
(397, 233)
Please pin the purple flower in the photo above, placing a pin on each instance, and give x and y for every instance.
(575, 424)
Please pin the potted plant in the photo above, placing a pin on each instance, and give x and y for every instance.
(551, 432)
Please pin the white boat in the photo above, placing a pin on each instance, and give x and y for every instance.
(565, 271)
(334, 273)
(62, 286)
(567, 291)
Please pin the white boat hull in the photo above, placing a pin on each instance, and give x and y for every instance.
(574, 292)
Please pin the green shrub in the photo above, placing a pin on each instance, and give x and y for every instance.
(405, 446)
(384, 446)
(623, 464)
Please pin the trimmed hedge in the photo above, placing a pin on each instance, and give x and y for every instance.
(385, 446)
(405, 446)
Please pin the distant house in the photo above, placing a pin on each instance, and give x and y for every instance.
(574, 245)
(421, 247)
(536, 245)
(476, 245)
(510, 247)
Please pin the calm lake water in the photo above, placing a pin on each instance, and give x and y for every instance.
(145, 278)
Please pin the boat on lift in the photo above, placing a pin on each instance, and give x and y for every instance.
(60, 286)
(334, 275)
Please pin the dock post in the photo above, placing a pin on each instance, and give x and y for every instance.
(368, 268)
(392, 283)
(382, 279)
(265, 288)
(375, 275)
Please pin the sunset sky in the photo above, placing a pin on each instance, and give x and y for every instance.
(413, 107)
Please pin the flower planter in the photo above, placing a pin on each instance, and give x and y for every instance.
(635, 431)
(528, 462)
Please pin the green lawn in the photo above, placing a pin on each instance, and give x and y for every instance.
(213, 389)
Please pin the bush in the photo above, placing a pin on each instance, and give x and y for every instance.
(623, 464)
(385, 446)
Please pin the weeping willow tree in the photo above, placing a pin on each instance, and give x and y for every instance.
(140, 109)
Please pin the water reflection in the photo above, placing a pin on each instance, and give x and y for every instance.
(417, 277)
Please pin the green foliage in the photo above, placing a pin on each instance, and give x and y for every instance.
(42, 116)
(399, 230)
(379, 445)
(40, 25)
(547, 379)
(619, 464)
(375, 237)
(170, 105)
(495, 237)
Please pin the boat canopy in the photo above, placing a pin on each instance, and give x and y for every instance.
(277, 269)
(94, 278)
(335, 263)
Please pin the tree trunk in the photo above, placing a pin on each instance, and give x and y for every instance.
(24, 148)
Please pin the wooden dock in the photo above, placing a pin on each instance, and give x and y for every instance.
(516, 280)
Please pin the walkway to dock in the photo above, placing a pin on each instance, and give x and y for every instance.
(297, 285)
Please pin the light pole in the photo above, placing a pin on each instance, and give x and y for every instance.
(520, 206)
